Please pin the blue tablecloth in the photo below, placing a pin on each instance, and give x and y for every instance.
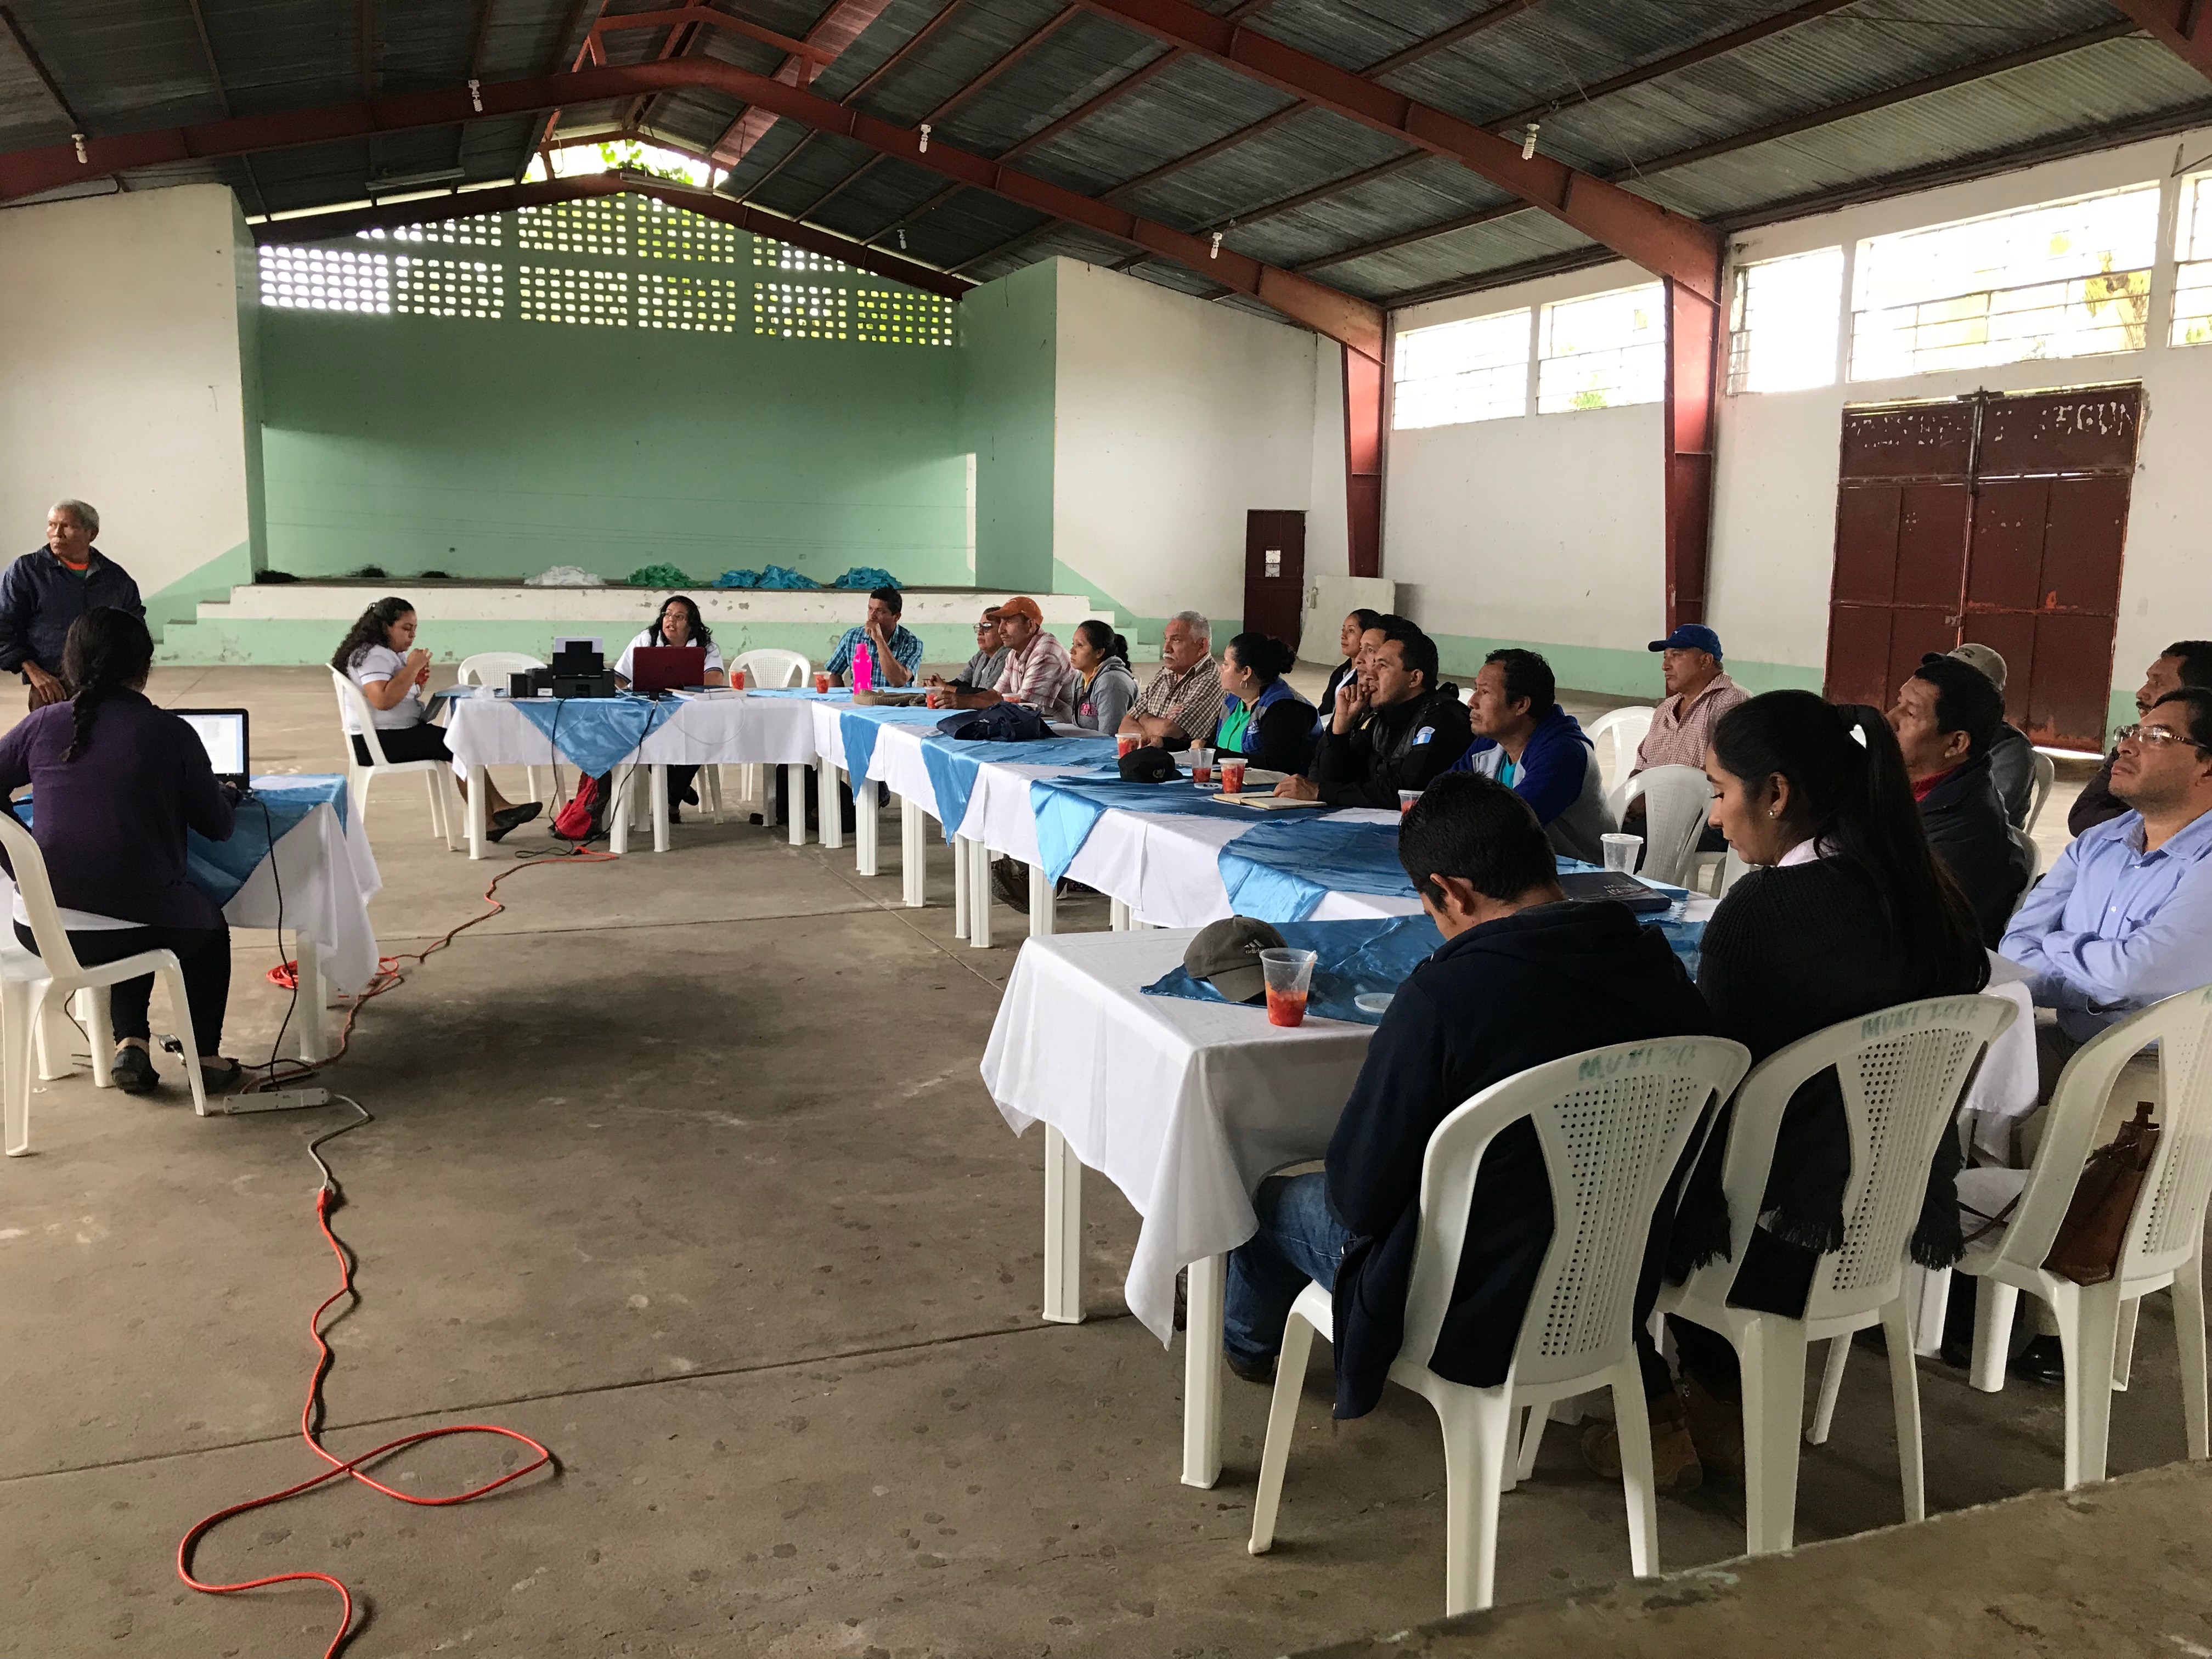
(858, 728)
(953, 762)
(277, 806)
(1279, 870)
(1353, 958)
(595, 734)
(1068, 808)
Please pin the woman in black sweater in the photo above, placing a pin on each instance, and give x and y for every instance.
(1845, 911)
(1263, 718)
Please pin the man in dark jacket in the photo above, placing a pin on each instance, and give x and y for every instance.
(1524, 977)
(1945, 717)
(2012, 756)
(1524, 739)
(2184, 664)
(1394, 726)
(44, 592)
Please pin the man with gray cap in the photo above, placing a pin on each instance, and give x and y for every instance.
(43, 593)
(2012, 756)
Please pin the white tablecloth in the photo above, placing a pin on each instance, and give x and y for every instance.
(328, 875)
(731, 729)
(1183, 1105)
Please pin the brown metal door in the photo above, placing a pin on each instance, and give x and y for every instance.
(1275, 574)
(2043, 569)
(1994, 518)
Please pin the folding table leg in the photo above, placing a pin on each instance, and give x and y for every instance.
(1201, 1371)
(479, 819)
(794, 801)
(656, 781)
(979, 896)
(1063, 1231)
(1041, 916)
(866, 829)
(833, 820)
(1124, 919)
(617, 825)
(913, 852)
(963, 867)
(312, 1017)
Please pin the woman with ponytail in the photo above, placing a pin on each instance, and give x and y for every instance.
(1263, 718)
(116, 783)
(1106, 688)
(1845, 910)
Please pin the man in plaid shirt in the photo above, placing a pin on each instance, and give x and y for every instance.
(1037, 670)
(1182, 705)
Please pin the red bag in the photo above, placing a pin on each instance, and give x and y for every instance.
(584, 817)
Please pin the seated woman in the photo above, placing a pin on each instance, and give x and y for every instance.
(1262, 718)
(378, 655)
(116, 783)
(678, 623)
(1845, 911)
(1348, 643)
(1107, 688)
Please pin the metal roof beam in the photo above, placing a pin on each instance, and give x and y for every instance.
(2184, 28)
(1340, 316)
(1665, 243)
(833, 32)
(476, 203)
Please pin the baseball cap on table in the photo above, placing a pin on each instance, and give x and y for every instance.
(1226, 955)
(1022, 607)
(1690, 637)
(1980, 656)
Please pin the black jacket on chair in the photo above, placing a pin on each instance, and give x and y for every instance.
(1966, 826)
(1533, 987)
(1404, 747)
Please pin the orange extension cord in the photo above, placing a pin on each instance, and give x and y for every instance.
(329, 1198)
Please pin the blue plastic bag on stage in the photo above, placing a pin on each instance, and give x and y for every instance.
(864, 576)
(785, 578)
(1002, 722)
(739, 579)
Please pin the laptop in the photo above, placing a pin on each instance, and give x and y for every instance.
(223, 733)
(1589, 886)
(668, 667)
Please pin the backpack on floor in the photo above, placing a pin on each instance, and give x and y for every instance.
(584, 817)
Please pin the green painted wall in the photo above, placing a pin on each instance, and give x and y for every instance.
(1010, 335)
(495, 450)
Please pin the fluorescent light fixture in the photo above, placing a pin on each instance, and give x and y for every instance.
(392, 181)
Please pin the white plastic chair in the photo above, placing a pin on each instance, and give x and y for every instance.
(492, 668)
(2024, 844)
(1676, 802)
(771, 670)
(1902, 1070)
(2164, 1244)
(1626, 727)
(1612, 1123)
(2046, 776)
(445, 802)
(29, 983)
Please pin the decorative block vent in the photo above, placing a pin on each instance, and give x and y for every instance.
(559, 293)
(771, 255)
(598, 225)
(325, 279)
(706, 304)
(485, 232)
(887, 316)
(673, 233)
(448, 288)
(801, 311)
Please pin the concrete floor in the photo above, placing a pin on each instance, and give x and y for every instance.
(681, 1165)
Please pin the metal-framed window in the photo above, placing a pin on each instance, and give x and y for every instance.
(1603, 351)
(2192, 273)
(1450, 373)
(1783, 315)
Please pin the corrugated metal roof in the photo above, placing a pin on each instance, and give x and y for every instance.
(125, 64)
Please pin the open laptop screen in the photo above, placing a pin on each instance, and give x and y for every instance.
(222, 732)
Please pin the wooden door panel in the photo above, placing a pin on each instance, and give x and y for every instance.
(2070, 680)
(1275, 574)
(2082, 553)
(1859, 653)
(1867, 519)
(2004, 567)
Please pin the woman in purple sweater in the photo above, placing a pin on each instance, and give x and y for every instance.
(117, 783)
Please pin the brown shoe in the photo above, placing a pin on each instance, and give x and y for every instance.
(1674, 1466)
(1715, 1425)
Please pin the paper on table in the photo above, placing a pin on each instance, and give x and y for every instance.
(1267, 803)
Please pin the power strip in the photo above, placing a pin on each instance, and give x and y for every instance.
(275, 1100)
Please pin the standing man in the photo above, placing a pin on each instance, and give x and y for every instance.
(1524, 739)
(43, 593)
(2183, 663)
(1182, 704)
(897, 653)
(1697, 694)
(2012, 756)
(1946, 719)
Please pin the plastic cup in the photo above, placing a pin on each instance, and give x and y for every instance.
(1232, 777)
(1125, 745)
(737, 680)
(1289, 978)
(1620, 852)
(1406, 799)
(1201, 766)
(821, 682)
(935, 697)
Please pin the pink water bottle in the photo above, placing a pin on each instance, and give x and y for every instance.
(864, 668)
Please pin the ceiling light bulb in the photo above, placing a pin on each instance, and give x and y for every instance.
(901, 239)
(1216, 254)
(1529, 142)
(925, 138)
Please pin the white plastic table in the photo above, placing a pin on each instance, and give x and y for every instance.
(1183, 1105)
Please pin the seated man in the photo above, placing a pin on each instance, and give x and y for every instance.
(1524, 739)
(983, 668)
(2012, 756)
(2183, 663)
(1946, 716)
(1698, 693)
(897, 653)
(1037, 670)
(1182, 705)
(1394, 726)
(1523, 978)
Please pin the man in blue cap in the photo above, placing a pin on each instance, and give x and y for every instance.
(1698, 695)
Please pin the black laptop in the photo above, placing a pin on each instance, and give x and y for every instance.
(222, 732)
(1590, 887)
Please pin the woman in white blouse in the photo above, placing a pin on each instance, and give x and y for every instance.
(678, 623)
(378, 655)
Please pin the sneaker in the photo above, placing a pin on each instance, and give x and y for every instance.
(1260, 1370)
(1674, 1465)
(2042, 1361)
(133, 1070)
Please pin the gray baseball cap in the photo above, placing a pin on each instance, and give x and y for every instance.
(1981, 657)
(1226, 955)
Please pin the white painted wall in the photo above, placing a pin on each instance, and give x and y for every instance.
(124, 382)
(1174, 417)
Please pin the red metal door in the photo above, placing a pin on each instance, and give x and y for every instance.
(1275, 574)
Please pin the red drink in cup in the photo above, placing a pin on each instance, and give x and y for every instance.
(1232, 777)
(737, 679)
(1289, 978)
(822, 682)
(1125, 744)
(933, 697)
(1285, 1007)
(1201, 766)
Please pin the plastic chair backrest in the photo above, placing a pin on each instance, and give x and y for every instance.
(30, 868)
(354, 703)
(2169, 1218)
(771, 669)
(1902, 1071)
(2046, 776)
(2024, 847)
(1676, 802)
(1626, 727)
(1612, 1123)
(498, 664)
